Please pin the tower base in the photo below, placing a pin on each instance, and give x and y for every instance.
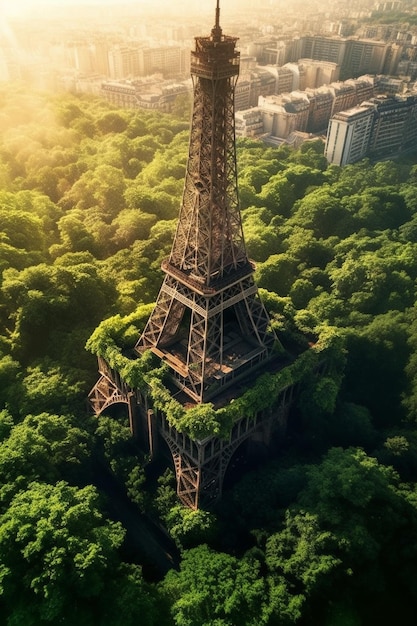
(200, 466)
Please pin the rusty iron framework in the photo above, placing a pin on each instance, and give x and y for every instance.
(200, 466)
(209, 324)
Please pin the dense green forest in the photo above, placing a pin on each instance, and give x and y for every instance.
(324, 531)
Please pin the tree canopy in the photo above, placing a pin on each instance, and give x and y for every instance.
(323, 531)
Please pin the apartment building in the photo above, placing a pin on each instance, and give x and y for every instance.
(166, 60)
(393, 129)
(122, 94)
(332, 49)
(381, 127)
(142, 95)
(348, 135)
(389, 86)
(287, 79)
(318, 73)
(123, 62)
(364, 56)
(249, 123)
(321, 104)
(281, 115)
(344, 96)
(242, 95)
(364, 87)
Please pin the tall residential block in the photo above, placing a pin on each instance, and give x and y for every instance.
(381, 127)
(348, 135)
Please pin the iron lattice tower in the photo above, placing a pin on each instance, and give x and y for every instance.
(209, 324)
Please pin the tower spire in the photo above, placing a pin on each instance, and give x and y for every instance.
(216, 30)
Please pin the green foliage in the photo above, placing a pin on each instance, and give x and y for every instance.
(9, 387)
(56, 548)
(215, 588)
(6, 424)
(189, 528)
(89, 197)
(42, 447)
(135, 486)
(303, 553)
(43, 301)
(51, 387)
(201, 421)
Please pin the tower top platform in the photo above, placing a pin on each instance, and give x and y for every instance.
(215, 56)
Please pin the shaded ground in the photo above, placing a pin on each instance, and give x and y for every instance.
(145, 544)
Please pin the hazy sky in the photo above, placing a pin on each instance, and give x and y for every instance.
(29, 8)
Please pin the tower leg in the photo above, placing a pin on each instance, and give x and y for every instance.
(132, 412)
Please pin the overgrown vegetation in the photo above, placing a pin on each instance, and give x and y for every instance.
(324, 532)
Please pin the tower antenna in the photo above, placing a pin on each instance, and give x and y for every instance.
(217, 31)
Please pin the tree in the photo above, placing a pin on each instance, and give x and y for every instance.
(116, 448)
(350, 491)
(52, 387)
(304, 246)
(6, 424)
(304, 554)
(215, 588)
(324, 213)
(23, 230)
(277, 273)
(262, 240)
(303, 177)
(74, 234)
(189, 528)
(9, 383)
(57, 555)
(44, 301)
(43, 447)
(278, 194)
(375, 370)
(112, 122)
(130, 225)
(103, 187)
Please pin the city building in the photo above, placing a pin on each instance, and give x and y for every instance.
(348, 135)
(364, 86)
(243, 95)
(122, 94)
(166, 60)
(332, 49)
(389, 86)
(142, 94)
(364, 56)
(344, 96)
(381, 127)
(321, 104)
(318, 73)
(123, 62)
(249, 123)
(394, 128)
(288, 79)
(281, 115)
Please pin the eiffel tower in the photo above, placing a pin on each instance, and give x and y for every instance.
(208, 325)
